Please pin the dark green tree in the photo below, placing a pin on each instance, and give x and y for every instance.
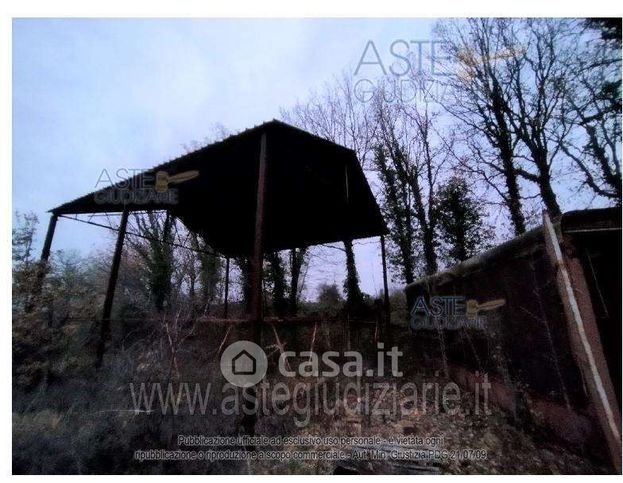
(609, 27)
(462, 229)
(210, 271)
(23, 237)
(329, 298)
(276, 278)
(396, 207)
(24, 267)
(156, 252)
(354, 296)
(33, 341)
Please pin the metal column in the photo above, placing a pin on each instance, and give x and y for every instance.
(258, 248)
(110, 292)
(43, 263)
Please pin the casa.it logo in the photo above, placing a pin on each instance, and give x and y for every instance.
(244, 363)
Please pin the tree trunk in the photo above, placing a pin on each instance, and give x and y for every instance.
(296, 262)
(279, 283)
(504, 140)
(408, 269)
(548, 195)
(513, 201)
(429, 252)
(244, 264)
(354, 297)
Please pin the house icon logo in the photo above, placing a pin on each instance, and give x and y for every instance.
(244, 363)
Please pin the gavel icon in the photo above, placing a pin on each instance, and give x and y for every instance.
(163, 180)
(472, 307)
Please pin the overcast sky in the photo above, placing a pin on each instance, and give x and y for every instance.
(94, 94)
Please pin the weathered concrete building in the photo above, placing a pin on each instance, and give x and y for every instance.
(548, 307)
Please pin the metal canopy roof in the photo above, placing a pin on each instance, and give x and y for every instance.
(316, 192)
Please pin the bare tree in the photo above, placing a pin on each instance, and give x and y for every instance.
(154, 246)
(337, 115)
(593, 110)
(539, 74)
(397, 208)
(209, 271)
(410, 139)
(296, 262)
(478, 95)
(245, 266)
